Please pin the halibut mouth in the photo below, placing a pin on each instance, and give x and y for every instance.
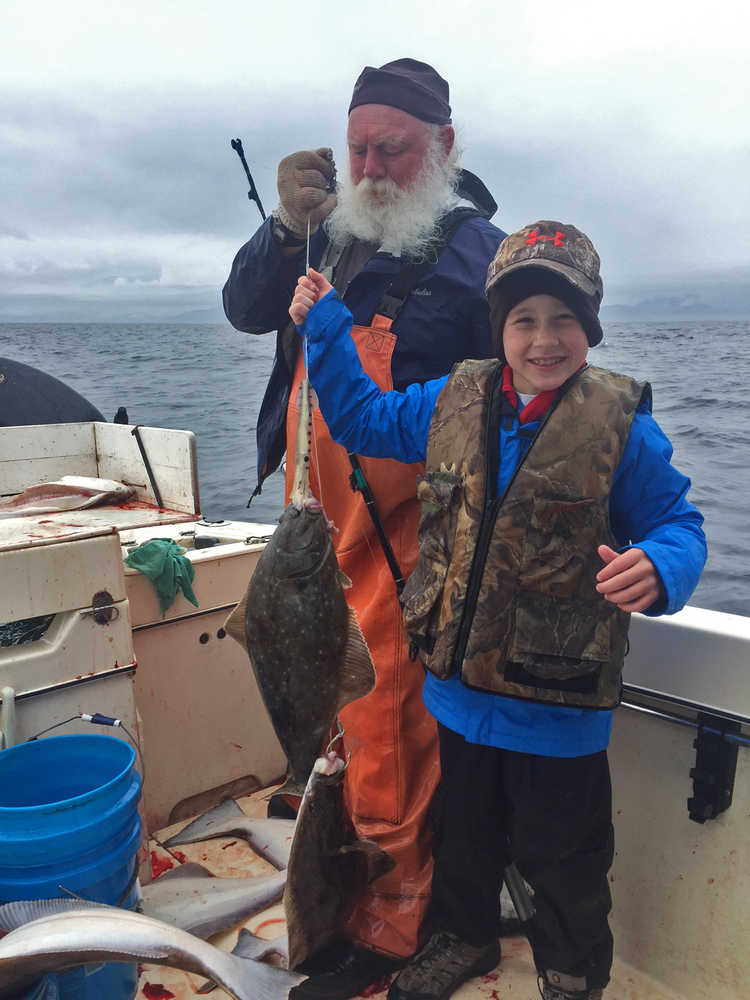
(303, 640)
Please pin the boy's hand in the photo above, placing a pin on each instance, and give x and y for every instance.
(629, 579)
(310, 287)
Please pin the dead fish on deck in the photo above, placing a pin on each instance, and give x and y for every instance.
(249, 945)
(303, 640)
(270, 838)
(107, 934)
(190, 898)
(329, 867)
(67, 493)
(23, 911)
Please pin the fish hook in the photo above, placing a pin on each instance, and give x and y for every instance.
(339, 734)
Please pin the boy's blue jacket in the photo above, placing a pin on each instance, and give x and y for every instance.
(648, 507)
(444, 320)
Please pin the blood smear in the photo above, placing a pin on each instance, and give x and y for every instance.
(155, 991)
(159, 865)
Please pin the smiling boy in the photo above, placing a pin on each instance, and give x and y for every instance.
(550, 512)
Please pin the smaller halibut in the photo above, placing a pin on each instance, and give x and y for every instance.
(329, 867)
(304, 642)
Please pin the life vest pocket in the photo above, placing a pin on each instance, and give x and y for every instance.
(555, 639)
(555, 558)
(528, 673)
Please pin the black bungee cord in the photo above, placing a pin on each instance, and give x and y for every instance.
(253, 192)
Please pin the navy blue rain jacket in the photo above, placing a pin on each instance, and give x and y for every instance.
(444, 320)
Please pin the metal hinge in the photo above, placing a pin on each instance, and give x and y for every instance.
(8, 718)
(103, 609)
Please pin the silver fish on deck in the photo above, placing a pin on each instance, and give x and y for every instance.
(249, 945)
(329, 867)
(23, 911)
(303, 640)
(270, 838)
(190, 898)
(67, 493)
(106, 934)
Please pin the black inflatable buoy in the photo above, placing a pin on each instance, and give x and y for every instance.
(30, 396)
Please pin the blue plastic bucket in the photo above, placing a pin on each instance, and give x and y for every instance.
(69, 820)
(45, 989)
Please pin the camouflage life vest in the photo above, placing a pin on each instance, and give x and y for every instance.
(504, 589)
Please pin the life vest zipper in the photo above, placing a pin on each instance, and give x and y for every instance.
(489, 517)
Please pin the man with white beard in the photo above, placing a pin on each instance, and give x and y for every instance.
(406, 241)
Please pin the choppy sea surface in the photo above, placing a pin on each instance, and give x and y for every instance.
(211, 380)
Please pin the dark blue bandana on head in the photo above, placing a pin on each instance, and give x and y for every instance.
(407, 84)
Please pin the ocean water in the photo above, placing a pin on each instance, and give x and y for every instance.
(211, 380)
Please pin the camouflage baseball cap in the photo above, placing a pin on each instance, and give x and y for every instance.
(556, 247)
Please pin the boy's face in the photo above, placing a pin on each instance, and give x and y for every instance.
(544, 343)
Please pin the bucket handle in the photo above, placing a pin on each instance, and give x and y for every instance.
(8, 718)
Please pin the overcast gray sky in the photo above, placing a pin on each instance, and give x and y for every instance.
(119, 185)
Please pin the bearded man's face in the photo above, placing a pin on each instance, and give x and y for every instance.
(385, 144)
(402, 179)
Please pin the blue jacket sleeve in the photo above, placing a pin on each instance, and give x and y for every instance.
(261, 283)
(650, 510)
(359, 416)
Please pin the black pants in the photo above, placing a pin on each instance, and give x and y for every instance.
(553, 817)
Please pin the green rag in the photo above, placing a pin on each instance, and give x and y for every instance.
(163, 561)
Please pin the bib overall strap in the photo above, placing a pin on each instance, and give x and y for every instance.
(391, 304)
(359, 484)
(400, 288)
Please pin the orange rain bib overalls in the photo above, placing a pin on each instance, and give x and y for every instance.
(394, 767)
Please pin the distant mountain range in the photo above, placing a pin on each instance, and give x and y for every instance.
(696, 296)
(702, 295)
(64, 309)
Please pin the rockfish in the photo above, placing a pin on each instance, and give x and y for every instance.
(303, 640)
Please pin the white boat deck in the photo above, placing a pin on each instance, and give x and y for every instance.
(514, 978)
(681, 889)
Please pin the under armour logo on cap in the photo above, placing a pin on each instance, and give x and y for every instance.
(557, 240)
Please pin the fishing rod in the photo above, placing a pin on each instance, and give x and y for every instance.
(253, 192)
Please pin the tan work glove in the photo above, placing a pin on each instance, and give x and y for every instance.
(302, 184)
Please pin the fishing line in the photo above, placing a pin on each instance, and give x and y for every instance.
(313, 436)
(305, 356)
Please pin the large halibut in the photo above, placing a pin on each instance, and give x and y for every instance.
(304, 642)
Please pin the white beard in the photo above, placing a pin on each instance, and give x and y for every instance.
(398, 220)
